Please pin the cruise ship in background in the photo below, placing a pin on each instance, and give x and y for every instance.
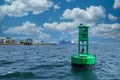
(67, 42)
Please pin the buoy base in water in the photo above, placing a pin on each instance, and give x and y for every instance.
(80, 65)
(83, 60)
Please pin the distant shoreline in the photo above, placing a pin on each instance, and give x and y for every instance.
(33, 44)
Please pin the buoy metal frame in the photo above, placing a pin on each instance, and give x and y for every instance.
(83, 58)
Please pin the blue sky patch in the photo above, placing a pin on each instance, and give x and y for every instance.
(54, 20)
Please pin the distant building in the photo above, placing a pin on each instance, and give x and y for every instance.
(1, 41)
(7, 40)
(28, 42)
(14, 42)
(21, 42)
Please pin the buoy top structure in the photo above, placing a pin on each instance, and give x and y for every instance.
(83, 58)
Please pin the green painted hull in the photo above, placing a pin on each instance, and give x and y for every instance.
(83, 59)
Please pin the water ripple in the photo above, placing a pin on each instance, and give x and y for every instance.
(17, 75)
(53, 63)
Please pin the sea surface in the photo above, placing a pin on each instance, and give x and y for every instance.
(53, 62)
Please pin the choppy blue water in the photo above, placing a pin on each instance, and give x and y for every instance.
(54, 63)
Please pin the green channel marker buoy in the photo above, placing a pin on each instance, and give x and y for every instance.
(83, 58)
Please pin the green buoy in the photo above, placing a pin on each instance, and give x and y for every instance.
(83, 58)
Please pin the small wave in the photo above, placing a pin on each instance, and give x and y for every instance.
(17, 75)
(4, 62)
(59, 48)
(46, 66)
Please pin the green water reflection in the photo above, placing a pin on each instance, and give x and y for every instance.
(83, 74)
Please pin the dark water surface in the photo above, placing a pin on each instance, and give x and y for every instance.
(54, 63)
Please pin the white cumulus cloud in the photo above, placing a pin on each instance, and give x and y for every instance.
(61, 26)
(89, 17)
(20, 8)
(1, 16)
(27, 29)
(111, 17)
(107, 31)
(116, 4)
(56, 6)
(68, 30)
(90, 14)
(9, 1)
(68, 0)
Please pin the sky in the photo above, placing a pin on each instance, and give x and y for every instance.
(55, 20)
